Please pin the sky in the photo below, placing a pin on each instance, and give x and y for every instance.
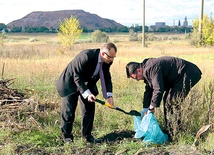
(125, 12)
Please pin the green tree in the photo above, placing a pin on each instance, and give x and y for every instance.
(207, 36)
(16, 29)
(2, 26)
(69, 31)
(43, 29)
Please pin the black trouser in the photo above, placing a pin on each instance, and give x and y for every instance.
(69, 104)
(173, 97)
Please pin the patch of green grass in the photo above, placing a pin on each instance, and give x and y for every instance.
(39, 138)
(85, 36)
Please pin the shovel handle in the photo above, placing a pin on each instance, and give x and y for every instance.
(100, 101)
(104, 103)
(132, 112)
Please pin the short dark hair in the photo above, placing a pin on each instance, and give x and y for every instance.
(109, 46)
(131, 68)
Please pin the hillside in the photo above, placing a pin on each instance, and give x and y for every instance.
(50, 19)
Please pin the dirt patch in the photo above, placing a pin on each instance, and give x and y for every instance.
(112, 139)
(116, 136)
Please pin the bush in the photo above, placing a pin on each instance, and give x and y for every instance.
(98, 36)
(133, 36)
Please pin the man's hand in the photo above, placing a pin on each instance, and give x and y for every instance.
(110, 100)
(91, 98)
(151, 109)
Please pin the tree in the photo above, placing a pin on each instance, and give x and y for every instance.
(207, 32)
(2, 26)
(16, 29)
(69, 31)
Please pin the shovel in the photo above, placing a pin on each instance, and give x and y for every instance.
(132, 112)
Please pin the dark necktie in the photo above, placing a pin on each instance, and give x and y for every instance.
(102, 80)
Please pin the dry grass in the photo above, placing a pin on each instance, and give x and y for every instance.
(37, 65)
(39, 60)
(44, 59)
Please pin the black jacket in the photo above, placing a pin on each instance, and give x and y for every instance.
(161, 74)
(77, 75)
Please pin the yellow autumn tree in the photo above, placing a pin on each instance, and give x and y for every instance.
(69, 31)
(207, 36)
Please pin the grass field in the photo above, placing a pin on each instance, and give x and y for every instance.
(36, 61)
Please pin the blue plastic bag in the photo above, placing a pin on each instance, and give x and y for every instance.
(149, 128)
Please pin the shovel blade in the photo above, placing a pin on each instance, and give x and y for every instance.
(134, 113)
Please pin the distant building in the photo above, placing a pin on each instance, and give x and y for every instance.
(135, 25)
(157, 26)
(151, 28)
(185, 23)
(179, 23)
(160, 24)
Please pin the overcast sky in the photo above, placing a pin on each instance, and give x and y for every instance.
(126, 12)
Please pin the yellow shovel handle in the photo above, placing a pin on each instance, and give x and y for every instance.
(105, 103)
(109, 105)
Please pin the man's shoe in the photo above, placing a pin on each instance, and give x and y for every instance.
(91, 139)
(67, 139)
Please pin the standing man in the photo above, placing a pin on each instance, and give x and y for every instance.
(165, 77)
(78, 82)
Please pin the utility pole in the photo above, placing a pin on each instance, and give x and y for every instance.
(201, 21)
(143, 25)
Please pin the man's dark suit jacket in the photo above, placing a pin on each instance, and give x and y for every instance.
(77, 75)
(161, 74)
